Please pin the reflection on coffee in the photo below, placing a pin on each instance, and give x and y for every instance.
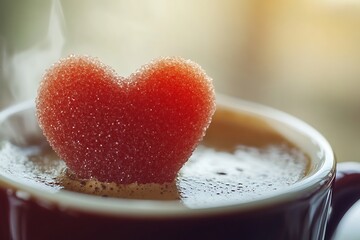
(240, 159)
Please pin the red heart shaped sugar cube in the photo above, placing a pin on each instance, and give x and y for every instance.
(137, 129)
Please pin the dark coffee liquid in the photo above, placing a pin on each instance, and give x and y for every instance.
(240, 159)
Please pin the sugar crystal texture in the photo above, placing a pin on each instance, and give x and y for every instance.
(137, 129)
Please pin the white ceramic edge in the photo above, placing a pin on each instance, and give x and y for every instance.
(151, 208)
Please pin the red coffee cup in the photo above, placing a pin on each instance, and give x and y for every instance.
(309, 209)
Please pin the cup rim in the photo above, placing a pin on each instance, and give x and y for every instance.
(159, 208)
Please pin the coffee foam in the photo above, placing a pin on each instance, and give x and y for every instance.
(210, 177)
(214, 178)
(31, 166)
(154, 191)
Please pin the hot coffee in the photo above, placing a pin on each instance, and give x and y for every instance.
(241, 159)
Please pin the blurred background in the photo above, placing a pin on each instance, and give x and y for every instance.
(302, 57)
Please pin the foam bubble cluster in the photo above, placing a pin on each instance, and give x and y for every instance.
(125, 130)
(154, 191)
(215, 178)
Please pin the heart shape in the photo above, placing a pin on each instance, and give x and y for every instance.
(137, 129)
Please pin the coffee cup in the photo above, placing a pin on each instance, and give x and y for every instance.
(293, 192)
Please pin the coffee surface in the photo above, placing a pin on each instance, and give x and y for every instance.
(240, 159)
